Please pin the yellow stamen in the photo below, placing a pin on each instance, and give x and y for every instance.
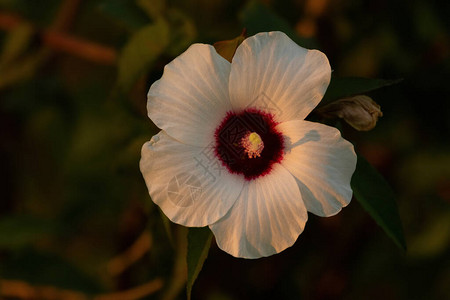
(252, 144)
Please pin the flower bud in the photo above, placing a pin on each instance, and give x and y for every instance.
(360, 111)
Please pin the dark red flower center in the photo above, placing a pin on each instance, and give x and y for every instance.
(248, 143)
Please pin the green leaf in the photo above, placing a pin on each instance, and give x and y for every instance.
(124, 12)
(349, 86)
(182, 31)
(141, 51)
(16, 43)
(23, 68)
(256, 17)
(199, 241)
(22, 230)
(153, 8)
(378, 199)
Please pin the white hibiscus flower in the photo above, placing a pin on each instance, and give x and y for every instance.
(235, 153)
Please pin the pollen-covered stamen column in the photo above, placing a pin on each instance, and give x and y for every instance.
(252, 144)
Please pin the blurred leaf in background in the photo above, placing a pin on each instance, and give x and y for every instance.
(143, 49)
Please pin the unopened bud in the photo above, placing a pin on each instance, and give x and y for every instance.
(360, 111)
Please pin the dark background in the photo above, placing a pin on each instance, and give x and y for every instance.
(71, 132)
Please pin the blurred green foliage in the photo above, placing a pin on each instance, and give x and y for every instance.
(71, 129)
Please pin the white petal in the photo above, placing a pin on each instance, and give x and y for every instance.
(188, 183)
(270, 72)
(191, 98)
(267, 218)
(322, 162)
